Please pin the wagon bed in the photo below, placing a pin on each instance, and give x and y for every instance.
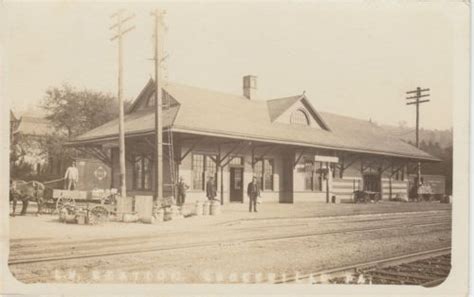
(96, 206)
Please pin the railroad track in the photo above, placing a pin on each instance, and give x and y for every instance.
(25, 243)
(427, 268)
(83, 251)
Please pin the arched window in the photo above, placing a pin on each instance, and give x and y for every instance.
(299, 117)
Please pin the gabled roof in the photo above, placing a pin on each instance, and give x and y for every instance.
(205, 112)
(276, 107)
(31, 125)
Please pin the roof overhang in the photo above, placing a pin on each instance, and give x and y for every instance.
(190, 130)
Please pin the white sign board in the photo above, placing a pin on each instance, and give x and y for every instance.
(328, 159)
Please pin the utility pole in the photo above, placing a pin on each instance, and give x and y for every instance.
(158, 15)
(120, 31)
(416, 95)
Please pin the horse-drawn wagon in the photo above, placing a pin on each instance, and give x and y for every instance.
(92, 207)
(95, 206)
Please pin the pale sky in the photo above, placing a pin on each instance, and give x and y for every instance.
(354, 59)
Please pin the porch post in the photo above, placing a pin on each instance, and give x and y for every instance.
(222, 185)
(219, 176)
(328, 172)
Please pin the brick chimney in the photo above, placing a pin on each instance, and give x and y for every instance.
(250, 87)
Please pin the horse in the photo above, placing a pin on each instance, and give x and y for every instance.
(26, 192)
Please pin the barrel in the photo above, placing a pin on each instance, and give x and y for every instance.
(205, 208)
(176, 212)
(70, 219)
(198, 208)
(159, 215)
(148, 220)
(168, 214)
(215, 208)
(81, 218)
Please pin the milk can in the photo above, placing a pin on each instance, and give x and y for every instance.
(168, 214)
(205, 208)
(198, 208)
(215, 207)
(176, 212)
(159, 214)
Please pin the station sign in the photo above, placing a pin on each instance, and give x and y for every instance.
(100, 173)
(328, 159)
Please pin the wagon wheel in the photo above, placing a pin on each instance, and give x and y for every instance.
(63, 201)
(98, 215)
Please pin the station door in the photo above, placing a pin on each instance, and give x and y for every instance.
(236, 184)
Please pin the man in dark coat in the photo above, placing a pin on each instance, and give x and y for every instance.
(253, 191)
(182, 187)
(211, 192)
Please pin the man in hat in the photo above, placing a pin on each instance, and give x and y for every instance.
(211, 192)
(71, 177)
(253, 191)
(182, 187)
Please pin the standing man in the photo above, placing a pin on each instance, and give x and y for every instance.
(182, 187)
(71, 177)
(211, 189)
(253, 191)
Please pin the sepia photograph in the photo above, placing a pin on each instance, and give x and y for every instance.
(312, 144)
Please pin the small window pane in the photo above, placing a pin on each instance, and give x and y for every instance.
(198, 171)
(236, 161)
(146, 173)
(138, 172)
(268, 168)
(211, 167)
(318, 176)
(299, 117)
(258, 171)
(308, 175)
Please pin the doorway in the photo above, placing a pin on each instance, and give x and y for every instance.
(236, 184)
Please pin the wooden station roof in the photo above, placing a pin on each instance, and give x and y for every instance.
(204, 112)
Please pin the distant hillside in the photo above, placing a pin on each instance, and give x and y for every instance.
(438, 143)
(443, 137)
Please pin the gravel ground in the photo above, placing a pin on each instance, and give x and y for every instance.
(47, 226)
(257, 261)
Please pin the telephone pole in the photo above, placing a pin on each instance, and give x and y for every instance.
(158, 15)
(414, 98)
(120, 31)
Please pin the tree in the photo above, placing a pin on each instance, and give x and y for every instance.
(74, 112)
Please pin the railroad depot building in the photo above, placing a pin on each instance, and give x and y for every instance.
(296, 152)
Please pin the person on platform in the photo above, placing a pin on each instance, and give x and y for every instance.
(211, 192)
(182, 187)
(253, 191)
(71, 177)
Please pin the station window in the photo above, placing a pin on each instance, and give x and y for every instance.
(198, 172)
(236, 161)
(264, 170)
(258, 172)
(400, 174)
(308, 175)
(313, 176)
(202, 167)
(299, 117)
(334, 170)
(268, 174)
(141, 172)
